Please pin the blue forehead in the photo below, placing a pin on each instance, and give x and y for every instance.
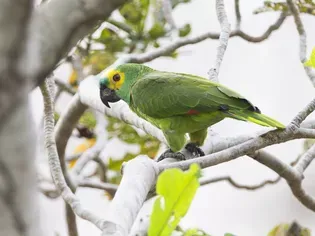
(104, 81)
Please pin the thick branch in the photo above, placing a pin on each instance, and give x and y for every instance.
(14, 16)
(139, 175)
(53, 32)
(270, 138)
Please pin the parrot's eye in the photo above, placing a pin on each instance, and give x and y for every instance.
(116, 77)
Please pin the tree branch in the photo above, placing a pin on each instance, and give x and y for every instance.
(149, 56)
(229, 179)
(223, 39)
(139, 175)
(237, 14)
(110, 188)
(52, 32)
(301, 116)
(167, 12)
(303, 38)
(64, 86)
(265, 35)
(305, 160)
(54, 163)
(13, 30)
(63, 130)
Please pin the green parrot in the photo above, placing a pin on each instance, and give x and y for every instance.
(178, 104)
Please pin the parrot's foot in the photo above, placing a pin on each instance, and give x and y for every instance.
(194, 149)
(170, 154)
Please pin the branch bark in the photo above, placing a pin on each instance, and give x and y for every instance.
(139, 175)
(18, 199)
(303, 38)
(53, 32)
(54, 162)
(12, 29)
(223, 39)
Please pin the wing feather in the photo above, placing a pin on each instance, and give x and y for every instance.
(164, 94)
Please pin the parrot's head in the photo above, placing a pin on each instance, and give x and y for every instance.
(116, 82)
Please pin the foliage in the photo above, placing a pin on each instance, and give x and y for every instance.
(305, 6)
(289, 229)
(73, 79)
(173, 201)
(148, 145)
(98, 60)
(88, 120)
(82, 147)
(191, 232)
(138, 27)
(56, 117)
(311, 61)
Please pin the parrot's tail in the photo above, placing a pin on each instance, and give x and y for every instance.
(255, 117)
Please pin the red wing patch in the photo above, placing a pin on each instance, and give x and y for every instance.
(192, 112)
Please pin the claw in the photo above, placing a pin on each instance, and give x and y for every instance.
(170, 154)
(194, 149)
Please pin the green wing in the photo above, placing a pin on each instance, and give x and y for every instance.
(164, 94)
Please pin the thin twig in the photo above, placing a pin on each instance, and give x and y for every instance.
(301, 116)
(305, 159)
(110, 188)
(66, 87)
(167, 12)
(303, 38)
(237, 14)
(164, 50)
(223, 39)
(54, 163)
(237, 185)
(265, 35)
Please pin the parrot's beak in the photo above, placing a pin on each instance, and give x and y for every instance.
(108, 95)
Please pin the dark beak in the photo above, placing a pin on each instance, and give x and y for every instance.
(108, 95)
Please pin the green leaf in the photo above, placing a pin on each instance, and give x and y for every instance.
(115, 165)
(157, 31)
(98, 60)
(135, 13)
(88, 120)
(195, 232)
(311, 61)
(184, 31)
(112, 41)
(56, 117)
(289, 229)
(176, 190)
(305, 6)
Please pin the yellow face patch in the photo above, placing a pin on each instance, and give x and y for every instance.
(116, 79)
